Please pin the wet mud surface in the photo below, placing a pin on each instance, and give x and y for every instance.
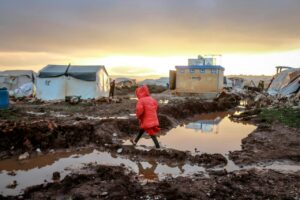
(104, 182)
(43, 126)
(46, 127)
(269, 143)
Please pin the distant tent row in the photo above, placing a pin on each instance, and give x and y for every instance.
(55, 82)
(125, 82)
(286, 83)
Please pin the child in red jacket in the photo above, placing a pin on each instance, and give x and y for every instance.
(146, 112)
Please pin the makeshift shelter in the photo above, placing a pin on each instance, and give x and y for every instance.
(55, 82)
(237, 82)
(286, 83)
(15, 79)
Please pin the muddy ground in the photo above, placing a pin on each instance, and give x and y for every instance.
(28, 126)
(103, 182)
(269, 143)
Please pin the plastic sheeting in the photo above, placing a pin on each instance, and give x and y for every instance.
(53, 71)
(82, 72)
(25, 90)
(86, 73)
(286, 83)
(29, 73)
(51, 88)
(14, 79)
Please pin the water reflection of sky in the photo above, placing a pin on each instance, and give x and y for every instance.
(39, 168)
(205, 126)
(208, 133)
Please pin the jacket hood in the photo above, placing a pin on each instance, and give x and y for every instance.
(142, 91)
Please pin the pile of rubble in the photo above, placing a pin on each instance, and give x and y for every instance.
(262, 100)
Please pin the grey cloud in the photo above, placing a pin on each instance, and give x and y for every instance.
(135, 26)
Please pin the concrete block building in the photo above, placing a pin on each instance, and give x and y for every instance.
(199, 79)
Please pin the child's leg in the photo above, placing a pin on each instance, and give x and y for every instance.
(155, 141)
(141, 132)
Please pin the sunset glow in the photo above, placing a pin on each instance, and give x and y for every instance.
(148, 38)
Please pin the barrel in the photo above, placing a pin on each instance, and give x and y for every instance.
(4, 98)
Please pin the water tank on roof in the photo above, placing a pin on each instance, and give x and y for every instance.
(4, 98)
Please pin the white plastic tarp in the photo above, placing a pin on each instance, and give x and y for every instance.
(51, 88)
(14, 79)
(25, 90)
(84, 89)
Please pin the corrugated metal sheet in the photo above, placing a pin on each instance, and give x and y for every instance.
(286, 83)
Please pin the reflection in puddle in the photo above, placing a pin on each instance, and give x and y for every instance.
(40, 168)
(209, 133)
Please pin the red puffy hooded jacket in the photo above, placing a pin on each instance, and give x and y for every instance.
(146, 110)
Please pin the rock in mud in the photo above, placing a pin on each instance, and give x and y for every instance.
(104, 194)
(39, 152)
(12, 173)
(210, 160)
(24, 156)
(55, 176)
(120, 150)
(12, 185)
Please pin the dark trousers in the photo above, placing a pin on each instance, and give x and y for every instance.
(153, 137)
(111, 92)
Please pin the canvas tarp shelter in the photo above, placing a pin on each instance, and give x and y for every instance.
(15, 79)
(55, 82)
(286, 83)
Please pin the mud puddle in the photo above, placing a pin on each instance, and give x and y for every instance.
(208, 133)
(40, 168)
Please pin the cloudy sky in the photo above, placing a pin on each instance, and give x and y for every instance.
(149, 37)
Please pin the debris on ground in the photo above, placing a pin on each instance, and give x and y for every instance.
(115, 183)
(31, 127)
(24, 156)
(12, 185)
(55, 176)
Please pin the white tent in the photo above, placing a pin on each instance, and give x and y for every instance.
(55, 82)
(14, 79)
